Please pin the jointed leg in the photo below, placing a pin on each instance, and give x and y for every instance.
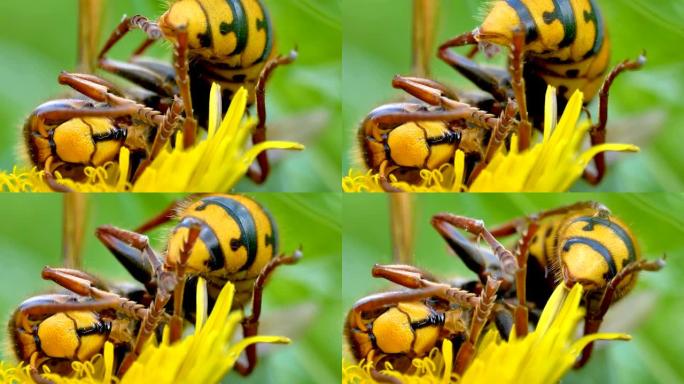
(183, 81)
(128, 24)
(480, 317)
(518, 83)
(477, 228)
(598, 131)
(594, 318)
(487, 79)
(250, 325)
(414, 280)
(167, 279)
(139, 75)
(454, 110)
(476, 259)
(84, 287)
(259, 134)
(522, 253)
(503, 127)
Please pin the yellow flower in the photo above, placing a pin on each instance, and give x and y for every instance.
(214, 164)
(553, 164)
(203, 357)
(543, 356)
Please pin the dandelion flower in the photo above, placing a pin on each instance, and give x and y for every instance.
(543, 356)
(553, 164)
(205, 356)
(214, 164)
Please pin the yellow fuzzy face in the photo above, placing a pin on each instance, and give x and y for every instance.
(59, 338)
(236, 235)
(594, 249)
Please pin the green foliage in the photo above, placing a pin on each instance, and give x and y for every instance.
(645, 107)
(39, 40)
(651, 313)
(301, 301)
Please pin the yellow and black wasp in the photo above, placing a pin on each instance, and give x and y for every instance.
(563, 43)
(398, 326)
(67, 135)
(218, 237)
(582, 243)
(403, 139)
(231, 43)
(54, 330)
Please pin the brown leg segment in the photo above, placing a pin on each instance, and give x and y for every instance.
(518, 83)
(480, 318)
(484, 78)
(598, 131)
(259, 135)
(477, 228)
(128, 24)
(167, 280)
(414, 280)
(594, 318)
(250, 325)
(180, 63)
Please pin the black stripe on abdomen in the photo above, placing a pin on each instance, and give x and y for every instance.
(526, 19)
(244, 220)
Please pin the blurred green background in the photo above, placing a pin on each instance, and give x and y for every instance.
(39, 38)
(646, 107)
(651, 313)
(301, 301)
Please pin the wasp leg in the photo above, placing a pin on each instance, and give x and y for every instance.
(431, 84)
(180, 63)
(594, 316)
(412, 269)
(455, 110)
(130, 257)
(171, 123)
(128, 24)
(489, 80)
(477, 228)
(503, 127)
(143, 47)
(414, 280)
(167, 279)
(522, 253)
(483, 309)
(474, 258)
(139, 75)
(259, 135)
(598, 131)
(84, 287)
(250, 325)
(518, 83)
